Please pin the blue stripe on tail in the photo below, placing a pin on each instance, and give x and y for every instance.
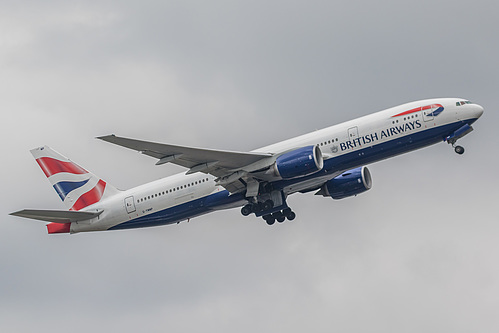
(63, 188)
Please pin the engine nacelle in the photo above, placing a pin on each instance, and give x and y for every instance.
(299, 162)
(347, 184)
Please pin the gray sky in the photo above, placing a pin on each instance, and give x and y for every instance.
(416, 253)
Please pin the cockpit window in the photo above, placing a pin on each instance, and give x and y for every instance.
(463, 102)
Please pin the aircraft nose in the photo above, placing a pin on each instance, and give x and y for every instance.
(478, 111)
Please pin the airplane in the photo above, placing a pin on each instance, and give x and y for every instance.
(330, 162)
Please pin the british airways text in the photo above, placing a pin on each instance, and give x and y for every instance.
(370, 138)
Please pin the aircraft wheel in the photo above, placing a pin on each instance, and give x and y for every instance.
(268, 205)
(246, 210)
(459, 150)
(269, 219)
(279, 217)
(291, 216)
(256, 207)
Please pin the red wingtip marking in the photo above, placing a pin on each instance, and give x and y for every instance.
(91, 197)
(51, 166)
(58, 228)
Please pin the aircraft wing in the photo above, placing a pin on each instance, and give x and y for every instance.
(220, 163)
(57, 216)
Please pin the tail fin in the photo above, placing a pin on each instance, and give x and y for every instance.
(76, 187)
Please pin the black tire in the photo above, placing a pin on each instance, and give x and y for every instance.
(246, 210)
(279, 217)
(269, 219)
(256, 208)
(459, 150)
(267, 205)
(291, 216)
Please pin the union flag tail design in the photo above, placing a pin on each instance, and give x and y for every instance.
(76, 187)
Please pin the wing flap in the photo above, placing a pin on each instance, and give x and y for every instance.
(57, 216)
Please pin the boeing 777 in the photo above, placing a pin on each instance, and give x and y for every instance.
(330, 162)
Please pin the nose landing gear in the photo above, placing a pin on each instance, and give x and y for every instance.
(458, 134)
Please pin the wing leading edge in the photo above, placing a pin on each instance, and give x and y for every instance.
(220, 163)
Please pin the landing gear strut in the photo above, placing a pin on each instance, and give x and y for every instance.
(270, 205)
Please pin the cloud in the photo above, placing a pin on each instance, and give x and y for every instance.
(415, 253)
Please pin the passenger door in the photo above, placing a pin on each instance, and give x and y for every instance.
(130, 205)
(353, 133)
(428, 112)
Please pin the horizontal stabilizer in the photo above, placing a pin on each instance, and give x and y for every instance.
(57, 216)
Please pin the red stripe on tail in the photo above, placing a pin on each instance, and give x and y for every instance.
(51, 166)
(91, 197)
(58, 228)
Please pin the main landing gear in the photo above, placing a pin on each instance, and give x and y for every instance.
(268, 212)
(279, 216)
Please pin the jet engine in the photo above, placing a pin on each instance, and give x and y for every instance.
(347, 184)
(299, 162)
